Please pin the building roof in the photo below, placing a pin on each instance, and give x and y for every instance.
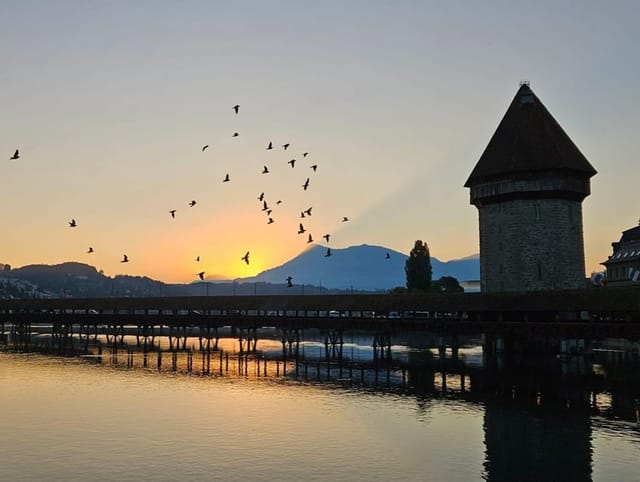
(629, 235)
(627, 249)
(528, 139)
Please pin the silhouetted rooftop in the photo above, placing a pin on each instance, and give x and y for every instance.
(528, 139)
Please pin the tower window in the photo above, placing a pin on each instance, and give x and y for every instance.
(536, 211)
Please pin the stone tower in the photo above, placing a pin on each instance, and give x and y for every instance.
(528, 187)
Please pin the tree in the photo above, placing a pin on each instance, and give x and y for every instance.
(418, 267)
(449, 284)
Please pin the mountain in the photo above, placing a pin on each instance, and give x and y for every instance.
(359, 267)
(82, 280)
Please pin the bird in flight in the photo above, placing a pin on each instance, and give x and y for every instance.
(261, 196)
(326, 237)
(72, 223)
(278, 201)
(270, 221)
(90, 250)
(310, 239)
(306, 184)
(270, 146)
(314, 167)
(205, 147)
(264, 206)
(173, 213)
(192, 203)
(305, 154)
(302, 214)
(197, 258)
(245, 258)
(308, 211)
(226, 178)
(388, 256)
(269, 211)
(328, 253)
(236, 108)
(235, 134)
(288, 280)
(301, 229)
(292, 162)
(16, 155)
(265, 170)
(201, 275)
(345, 219)
(284, 146)
(125, 258)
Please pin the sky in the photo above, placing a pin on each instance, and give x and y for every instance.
(110, 104)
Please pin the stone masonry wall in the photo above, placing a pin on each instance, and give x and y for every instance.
(531, 245)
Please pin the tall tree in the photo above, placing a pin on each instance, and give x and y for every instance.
(418, 267)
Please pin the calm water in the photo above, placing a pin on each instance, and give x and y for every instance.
(73, 419)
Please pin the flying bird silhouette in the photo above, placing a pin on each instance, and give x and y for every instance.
(306, 184)
(326, 237)
(308, 211)
(328, 253)
(302, 214)
(235, 134)
(305, 154)
(192, 203)
(288, 280)
(284, 146)
(90, 250)
(269, 211)
(264, 206)
(16, 155)
(270, 146)
(201, 275)
(125, 258)
(265, 170)
(197, 258)
(261, 196)
(301, 229)
(314, 167)
(173, 213)
(245, 258)
(310, 239)
(270, 221)
(292, 162)
(345, 219)
(205, 147)
(278, 201)
(72, 223)
(236, 108)
(226, 178)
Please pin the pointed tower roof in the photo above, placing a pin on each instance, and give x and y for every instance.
(528, 139)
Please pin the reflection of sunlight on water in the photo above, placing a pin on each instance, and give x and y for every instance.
(603, 401)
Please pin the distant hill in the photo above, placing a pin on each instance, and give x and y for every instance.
(357, 268)
(82, 280)
(361, 267)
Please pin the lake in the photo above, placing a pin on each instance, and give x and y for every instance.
(431, 415)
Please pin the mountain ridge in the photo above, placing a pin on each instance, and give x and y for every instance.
(363, 267)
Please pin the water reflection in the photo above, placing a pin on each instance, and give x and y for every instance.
(545, 403)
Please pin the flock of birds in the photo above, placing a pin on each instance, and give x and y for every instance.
(265, 206)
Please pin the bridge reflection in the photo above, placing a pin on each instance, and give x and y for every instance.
(540, 395)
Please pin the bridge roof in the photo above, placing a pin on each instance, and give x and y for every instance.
(596, 299)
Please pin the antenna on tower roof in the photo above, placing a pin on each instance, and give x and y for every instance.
(524, 82)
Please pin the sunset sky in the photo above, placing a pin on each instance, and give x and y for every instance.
(111, 102)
